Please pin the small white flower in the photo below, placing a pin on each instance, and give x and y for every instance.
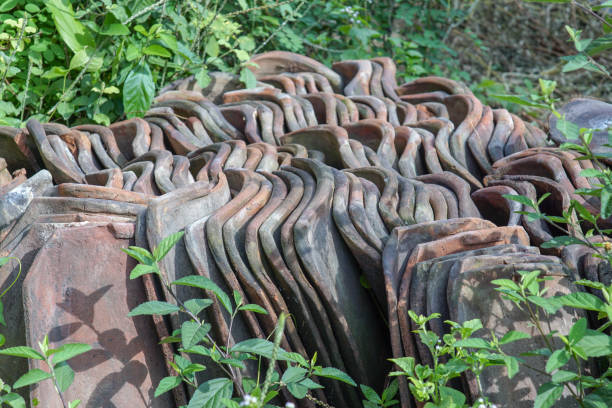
(482, 406)
(289, 405)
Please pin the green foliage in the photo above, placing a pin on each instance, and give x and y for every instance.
(453, 355)
(567, 355)
(194, 339)
(100, 61)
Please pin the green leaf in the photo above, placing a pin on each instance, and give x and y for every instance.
(64, 375)
(212, 47)
(335, 374)
(68, 351)
(550, 305)
(75, 35)
(138, 90)
(22, 351)
(578, 330)
(253, 308)
(154, 308)
(2, 321)
(570, 130)
(370, 394)
(8, 5)
(298, 390)
(595, 344)
(248, 78)
(473, 343)
(2, 340)
(13, 400)
(520, 199)
(513, 335)
(519, 101)
(192, 333)
(166, 245)
(562, 376)
(33, 376)
(203, 78)
(583, 300)
(451, 396)
(142, 269)
(548, 394)
(74, 404)
(293, 374)
(140, 254)
(557, 360)
(204, 283)
(260, 347)
(195, 306)
(167, 384)
(211, 393)
(557, 242)
(606, 202)
(512, 365)
(158, 50)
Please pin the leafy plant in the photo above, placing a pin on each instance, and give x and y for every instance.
(457, 353)
(194, 338)
(59, 371)
(567, 355)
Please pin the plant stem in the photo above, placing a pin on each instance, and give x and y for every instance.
(280, 327)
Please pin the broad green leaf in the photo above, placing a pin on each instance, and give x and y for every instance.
(253, 308)
(8, 5)
(578, 330)
(606, 202)
(521, 199)
(74, 404)
(79, 59)
(370, 394)
(575, 62)
(473, 343)
(138, 91)
(513, 335)
(203, 78)
(192, 333)
(550, 305)
(451, 396)
(22, 351)
(570, 130)
(298, 390)
(142, 269)
(512, 365)
(2, 321)
(68, 351)
(548, 394)
(64, 375)
(211, 393)
(405, 363)
(4, 260)
(259, 347)
(154, 308)
(158, 50)
(595, 344)
(246, 43)
(557, 360)
(75, 35)
(557, 242)
(13, 400)
(2, 340)
(167, 384)
(248, 78)
(519, 101)
(167, 244)
(583, 300)
(390, 391)
(140, 254)
(204, 283)
(112, 26)
(591, 173)
(33, 376)
(293, 374)
(334, 373)
(563, 376)
(195, 306)
(212, 47)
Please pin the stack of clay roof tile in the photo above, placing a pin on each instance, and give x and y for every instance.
(330, 193)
